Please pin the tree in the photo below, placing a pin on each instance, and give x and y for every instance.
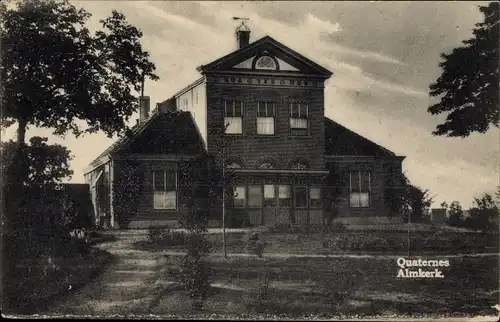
(417, 202)
(396, 184)
(47, 164)
(484, 214)
(55, 72)
(468, 86)
(456, 214)
(335, 181)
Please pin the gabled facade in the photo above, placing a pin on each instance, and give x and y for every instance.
(269, 101)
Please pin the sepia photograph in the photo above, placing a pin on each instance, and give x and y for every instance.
(250, 160)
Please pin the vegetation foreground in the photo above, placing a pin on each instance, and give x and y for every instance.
(296, 287)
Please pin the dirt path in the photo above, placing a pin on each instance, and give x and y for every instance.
(128, 286)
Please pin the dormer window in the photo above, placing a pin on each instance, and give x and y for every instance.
(265, 62)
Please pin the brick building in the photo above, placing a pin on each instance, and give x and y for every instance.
(278, 143)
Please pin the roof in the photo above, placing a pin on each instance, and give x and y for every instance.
(269, 44)
(340, 141)
(165, 133)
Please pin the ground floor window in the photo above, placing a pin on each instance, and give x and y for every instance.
(359, 189)
(255, 196)
(267, 195)
(284, 195)
(240, 196)
(300, 197)
(164, 189)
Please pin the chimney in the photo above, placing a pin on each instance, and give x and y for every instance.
(167, 106)
(242, 35)
(143, 108)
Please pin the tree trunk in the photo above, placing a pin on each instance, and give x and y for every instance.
(21, 131)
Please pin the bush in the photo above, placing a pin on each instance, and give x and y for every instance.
(255, 245)
(195, 269)
(167, 237)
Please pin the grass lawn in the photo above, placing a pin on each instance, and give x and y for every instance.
(319, 287)
(360, 242)
(35, 284)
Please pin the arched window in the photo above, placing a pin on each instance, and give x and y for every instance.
(267, 163)
(299, 165)
(234, 165)
(266, 62)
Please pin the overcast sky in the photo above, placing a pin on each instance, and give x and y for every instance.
(383, 55)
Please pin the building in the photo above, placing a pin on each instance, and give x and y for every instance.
(278, 143)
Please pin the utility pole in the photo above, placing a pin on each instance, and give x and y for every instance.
(224, 199)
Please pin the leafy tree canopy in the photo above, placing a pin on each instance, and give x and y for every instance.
(46, 164)
(56, 72)
(468, 86)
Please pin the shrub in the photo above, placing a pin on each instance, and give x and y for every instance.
(167, 237)
(194, 272)
(255, 245)
(155, 234)
(338, 227)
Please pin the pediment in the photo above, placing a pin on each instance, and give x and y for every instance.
(266, 54)
(251, 63)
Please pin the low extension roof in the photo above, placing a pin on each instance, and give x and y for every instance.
(162, 133)
(340, 141)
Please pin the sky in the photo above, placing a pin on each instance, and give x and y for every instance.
(384, 56)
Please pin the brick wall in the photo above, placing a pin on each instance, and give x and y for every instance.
(146, 211)
(282, 146)
(378, 169)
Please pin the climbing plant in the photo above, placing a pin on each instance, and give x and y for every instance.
(127, 188)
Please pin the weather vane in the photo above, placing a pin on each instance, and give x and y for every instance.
(240, 18)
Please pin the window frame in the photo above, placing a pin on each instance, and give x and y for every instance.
(245, 199)
(269, 202)
(295, 188)
(233, 115)
(299, 131)
(165, 187)
(281, 201)
(266, 109)
(360, 190)
(319, 203)
(261, 199)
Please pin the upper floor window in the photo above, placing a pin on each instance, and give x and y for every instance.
(359, 189)
(165, 189)
(233, 117)
(266, 112)
(265, 62)
(299, 113)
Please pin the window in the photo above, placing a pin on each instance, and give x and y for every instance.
(255, 196)
(265, 117)
(359, 189)
(284, 195)
(239, 196)
(315, 200)
(233, 117)
(265, 62)
(266, 165)
(299, 118)
(300, 166)
(186, 103)
(300, 197)
(233, 165)
(165, 189)
(269, 195)
(196, 95)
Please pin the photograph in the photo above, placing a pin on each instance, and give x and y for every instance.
(250, 160)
